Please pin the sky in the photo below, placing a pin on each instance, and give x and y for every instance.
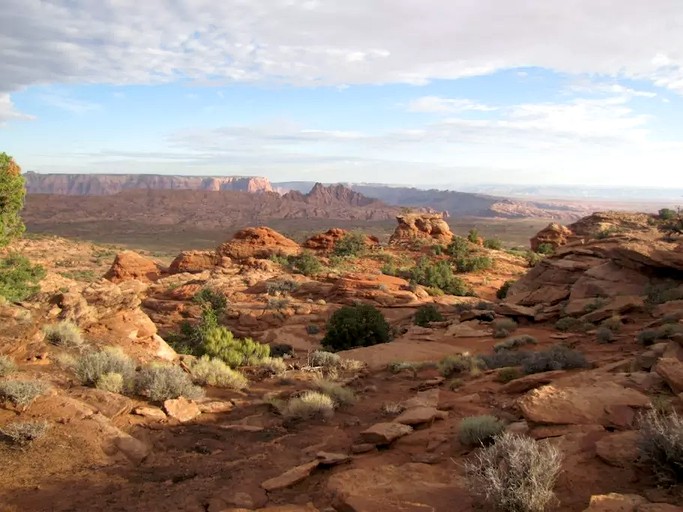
(419, 92)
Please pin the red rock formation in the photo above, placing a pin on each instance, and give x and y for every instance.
(194, 261)
(131, 265)
(260, 242)
(430, 226)
(554, 234)
(324, 242)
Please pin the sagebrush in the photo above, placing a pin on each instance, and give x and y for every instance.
(661, 445)
(215, 372)
(63, 334)
(162, 382)
(477, 430)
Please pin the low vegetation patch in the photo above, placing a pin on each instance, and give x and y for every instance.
(7, 366)
(22, 393)
(557, 357)
(339, 394)
(472, 263)
(515, 473)
(361, 325)
(459, 364)
(162, 382)
(503, 327)
(508, 374)
(281, 287)
(19, 278)
(477, 430)
(23, 433)
(438, 275)
(504, 358)
(211, 298)
(546, 249)
(63, 334)
(91, 366)
(515, 342)
(112, 382)
(219, 342)
(493, 243)
(323, 358)
(571, 324)
(502, 292)
(305, 263)
(352, 245)
(310, 405)
(427, 314)
(665, 292)
(661, 445)
(273, 365)
(215, 372)
(664, 332)
(604, 335)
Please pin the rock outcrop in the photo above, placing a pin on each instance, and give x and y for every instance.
(194, 262)
(325, 242)
(554, 235)
(259, 242)
(426, 226)
(131, 265)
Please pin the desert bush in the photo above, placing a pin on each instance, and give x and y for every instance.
(392, 408)
(23, 433)
(7, 366)
(473, 235)
(324, 359)
(667, 214)
(604, 335)
(664, 292)
(515, 342)
(217, 341)
(458, 364)
(503, 327)
(12, 193)
(504, 358)
(305, 263)
(212, 298)
(281, 287)
(312, 329)
(278, 303)
(63, 334)
(438, 275)
(426, 314)
(533, 258)
(352, 245)
(112, 382)
(18, 277)
(612, 323)
(21, 393)
(214, 372)
(458, 247)
(338, 393)
(557, 357)
(661, 445)
(162, 382)
(493, 243)
(515, 473)
(571, 324)
(273, 365)
(455, 384)
(502, 292)
(310, 405)
(505, 375)
(607, 232)
(647, 337)
(476, 430)
(472, 263)
(361, 325)
(91, 366)
(281, 350)
(545, 249)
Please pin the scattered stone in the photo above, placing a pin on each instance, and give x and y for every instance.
(153, 413)
(419, 415)
(385, 433)
(131, 265)
(614, 502)
(533, 381)
(194, 262)
(105, 402)
(518, 427)
(332, 459)
(619, 448)
(291, 477)
(362, 448)
(215, 406)
(181, 409)
(427, 398)
(671, 370)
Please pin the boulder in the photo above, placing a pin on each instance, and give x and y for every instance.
(153, 413)
(131, 265)
(671, 370)
(291, 477)
(618, 448)
(384, 433)
(181, 409)
(260, 243)
(553, 234)
(425, 226)
(194, 262)
(614, 502)
(420, 415)
(325, 242)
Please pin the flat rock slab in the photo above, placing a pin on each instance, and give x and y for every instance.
(153, 413)
(379, 356)
(291, 477)
(277, 508)
(533, 381)
(239, 427)
(181, 409)
(384, 433)
(614, 502)
(109, 404)
(428, 398)
(419, 415)
(332, 459)
(619, 448)
(215, 406)
(671, 370)
(606, 404)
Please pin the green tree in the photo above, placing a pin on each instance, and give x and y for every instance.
(12, 193)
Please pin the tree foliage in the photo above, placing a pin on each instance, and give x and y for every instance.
(12, 193)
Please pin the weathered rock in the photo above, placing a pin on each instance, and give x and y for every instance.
(384, 433)
(363, 448)
(109, 404)
(515, 310)
(332, 459)
(553, 234)
(194, 262)
(131, 265)
(533, 381)
(659, 507)
(260, 242)
(215, 406)
(419, 415)
(291, 477)
(615, 503)
(619, 448)
(430, 226)
(153, 413)
(671, 370)
(607, 404)
(181, 409)
(428, 398)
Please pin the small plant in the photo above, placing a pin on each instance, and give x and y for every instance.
(312, 329)
(325, 359)
(458, 364)
(7, 366)
(515, 342)
(533, 258)
(612, 323)
(438, 275)
(426, 314)
(504, 289)
(493, 243)
(664, 332)
(112, 382)
(352, 245)
(661, 445)
(647, 337)
(571, 324)
(459, 246)
(455, 384)
(503, 327)
(604, 335)
(361, 325)
(25, 432)
(278, 303)
(162, 382)
(214, 372)
(18, 277)
(607, 232)
(662, 293)
(63, 334)
(93, 365)
(211, 298)
(310, 405)
(281, 350)
(281, 287)
(473, 236)
(515, 473)
(392, 408)
(305, 263)
(510, 373)
(22, 393)
(558, 357)
(338, 393)
(595, 304)
(667, 214)
(219, 342)
(477, 430)
(472, 263)
(546, 249)
(505, 358)
(273, 365)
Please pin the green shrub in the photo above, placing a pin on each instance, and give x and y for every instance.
(438, 275)
(63, 334)
(533, 258)
(510, 373)
(662, 293)
(12, 193)
(473, 235)
(571, 324)
(361, 325)
(426, 314)
(310, 405)
(458, 247)
(214, 372)
(493, 243)
(607, 232)
(273, 365)
(516, 342)
(91, 366)
(477, 430)
(515, 473)
(112, 382)
(661, 445)
(647, 337)
(504, 289)
(22, 393)
(546, 249)
(338, 393)
(18, 278)
(504, 358)
(324, 359)
(312, 329)
(217, 341)
(472, 263)
(281, 287)
(667, 214)
(23, 433)
(281, 350)
(612, 323)
(305, 263)
(162, 382)
(7, 366)
(352, 245)
(664, 332)
(458, 364)
(503, 327)
(604, 335)
(211, 298)
(557, 357)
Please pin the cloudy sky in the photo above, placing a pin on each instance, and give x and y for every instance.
(423, 92)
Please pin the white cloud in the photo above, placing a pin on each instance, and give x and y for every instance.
(8, 112)
(334, 43)
(435, 104)
(66, 102)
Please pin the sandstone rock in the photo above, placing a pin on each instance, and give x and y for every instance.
(153, 413)
(659, 507)
(384, 433)
(181, 409)
(671, 370)
(515, 310)
(215, 406)
(533, 381)
(362, 448)
(260, 242)
(194, 262)
(131, 265)
(332, 459)
(109, 404)
(419, 415)
(115, 440)
(428, 398)
(607, 404)
(553, 234)
(430, 226)
(615, 503)
(619, 448)
(291, 477)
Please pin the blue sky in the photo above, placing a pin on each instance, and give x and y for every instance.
(422, 93)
